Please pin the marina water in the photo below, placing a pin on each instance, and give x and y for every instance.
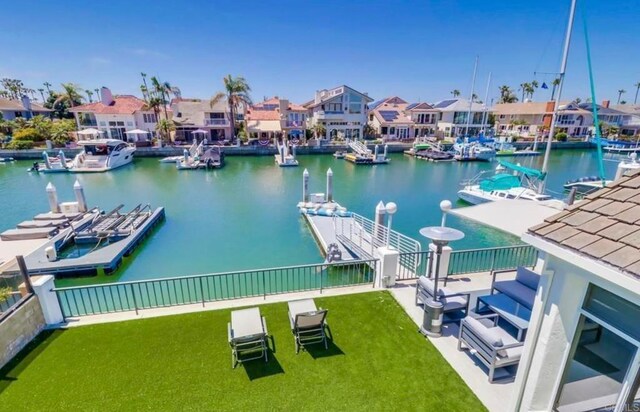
(244, 216)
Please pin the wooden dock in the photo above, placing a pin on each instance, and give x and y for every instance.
(325, 234)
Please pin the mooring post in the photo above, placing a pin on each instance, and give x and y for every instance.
(47, 163)
(379, 221)
(63, 159)
(375, 152)
(80, 198)
(329, 185)
(386, 147)
(52, 195)
(305, 185)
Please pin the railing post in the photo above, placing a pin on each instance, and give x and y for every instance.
(493, 259)
(133, 294)
(202, 291)
(321, 276)
(264, 287)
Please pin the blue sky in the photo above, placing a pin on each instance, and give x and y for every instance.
(420, 50)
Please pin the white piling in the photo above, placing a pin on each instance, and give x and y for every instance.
(52, 195)
(293, 151)
(282, 154)
(47, 163)
(386, 147)
(379, 221)
(329, 185)
(375, 152)
(305, 186)
(80, 198)
(63, 159)
(185, 154)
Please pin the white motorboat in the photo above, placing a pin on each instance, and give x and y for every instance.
(52, 164)
(6, 159)
(211, 158)
(508, 186)
(588, 184)
(193, 151)
(102, 155)
(286, 156)
(473, 151)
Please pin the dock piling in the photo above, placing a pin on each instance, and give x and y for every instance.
(386, 147)
(305, 186)
(375, 152)
(329, 185)
(47, 163)
(80, 198)
(379, 221)
(63, 159)
(52, 195)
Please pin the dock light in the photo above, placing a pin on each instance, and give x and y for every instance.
(445, 206)
(433, 308)
(391, 208)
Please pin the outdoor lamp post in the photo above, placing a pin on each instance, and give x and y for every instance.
(391, 208)
(440, 236)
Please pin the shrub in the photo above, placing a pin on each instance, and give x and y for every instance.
(5, 292)
(561, 137)
(26, 134)
(20, 145)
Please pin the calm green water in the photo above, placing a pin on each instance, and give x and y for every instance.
(244, 216)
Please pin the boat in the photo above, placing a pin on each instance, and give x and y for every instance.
(520, 184)
(6, 159)
(589, 184)
(211, 158)
(618, 146)
(286, 156)
(339, 154)
(361, 155)
(469, 151)
(434, 153)
(193, 150)
(98, 155)
(504, 149)
(421, 144)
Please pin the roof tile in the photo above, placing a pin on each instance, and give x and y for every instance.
(623, 257)
(614, 208)
(562, 233)
(634, 268)
(601, 248)
(557, 216)
(596, 225)
(621, 194)
(634, 183)
(635, 199)
(632, 240)
(594, 204)
(580, 240)
(618, 231)
(598, 193)
(579, 218)
(548, 228)
(631, 215)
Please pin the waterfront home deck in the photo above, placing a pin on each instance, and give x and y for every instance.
(375, 359)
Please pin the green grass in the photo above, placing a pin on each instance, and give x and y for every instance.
(376, 361)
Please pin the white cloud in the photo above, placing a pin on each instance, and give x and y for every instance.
(142, 52)
(99, 61)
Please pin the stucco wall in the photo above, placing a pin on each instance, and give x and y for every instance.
(20, 328)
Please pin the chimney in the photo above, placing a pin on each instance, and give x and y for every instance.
(26, 102)
(284, 105)
(606, 103)
(105, 96)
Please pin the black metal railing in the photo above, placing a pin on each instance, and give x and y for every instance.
(148, 294)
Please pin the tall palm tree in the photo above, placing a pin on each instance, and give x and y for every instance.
(47, 85)
(69, 94)
(620, 93)
(455, 93)
(637, 86)
(97, 94)
(89, 95)
(42, 94)
(506, 95)
(555, 83)
(236, 91)
(474, 97)
(534, 86)
(159, 93)
(525, 88)
(146, 88)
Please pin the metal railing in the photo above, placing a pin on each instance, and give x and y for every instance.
(216, 122)
(412, 265)
(155, 293)
(366, 236)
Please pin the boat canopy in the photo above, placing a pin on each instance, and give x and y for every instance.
(524, 170)
(500, 181)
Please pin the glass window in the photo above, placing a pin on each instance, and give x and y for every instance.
(355, 98)
(614, 310)
(355, 108)
(383, 130)
(459, 117)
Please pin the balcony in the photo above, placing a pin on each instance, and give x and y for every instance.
(216, 122)
(326, 114)
(296, 123)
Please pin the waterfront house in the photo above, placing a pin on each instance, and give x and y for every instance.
(196, 114)
(582, 350)
(275, 118)
(630, 118)
(395, 119)
(453, 117)
(11, 109)
(341, 110)
(114, 115)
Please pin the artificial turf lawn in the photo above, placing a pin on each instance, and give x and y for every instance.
(376, 361)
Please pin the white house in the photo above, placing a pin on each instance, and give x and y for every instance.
(276, 117)
(341, 110)
(453, 117)
(195, 114)
(115, 115)
(630, 123)
(395, 119)
(582, 350)
(11, 109)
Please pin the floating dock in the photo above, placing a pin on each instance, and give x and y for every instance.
(362, 155)
(286, 156)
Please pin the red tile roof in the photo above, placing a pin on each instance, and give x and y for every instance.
(257, 112)
(263, 114)
(124, 104)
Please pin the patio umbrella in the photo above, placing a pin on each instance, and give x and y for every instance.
(137, 131)
(200, 131)
(90, 132)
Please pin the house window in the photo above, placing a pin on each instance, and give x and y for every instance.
(603, 368)
(459, 117)
(370, 117)
(383, 130)
(503, 116)
(216, 115)
(392, 130)
(149, 118)
(18, 114)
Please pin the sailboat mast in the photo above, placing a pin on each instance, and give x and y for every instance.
(563, 68)
(486, 108)
(473, 86)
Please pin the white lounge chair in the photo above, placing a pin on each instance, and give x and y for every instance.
(247, 333)
(308, 324)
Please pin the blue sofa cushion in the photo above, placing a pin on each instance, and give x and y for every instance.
(527, 277)
(516, 291)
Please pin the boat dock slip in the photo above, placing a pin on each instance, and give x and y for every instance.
(325, 234)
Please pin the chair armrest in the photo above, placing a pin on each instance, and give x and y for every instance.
(264, 326)
(229, 331)
(453, 295)
(512, 345)
(495, 272)
(494, 316)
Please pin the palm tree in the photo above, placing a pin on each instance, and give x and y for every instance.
(534, 86)
(474, 97)
(555, 83)
(637, 86)
(620, 93)
(97, 94)
(164, 128)
(69, 95)
(47, 85)
(577, 100)
(455, 93)
(319, 131)
(236, 91)
(526, 89)
(42, 94)
(89, 95)
(146, 88)
(506, 95)
(159, 93)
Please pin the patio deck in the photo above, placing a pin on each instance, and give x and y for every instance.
(495, 396)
